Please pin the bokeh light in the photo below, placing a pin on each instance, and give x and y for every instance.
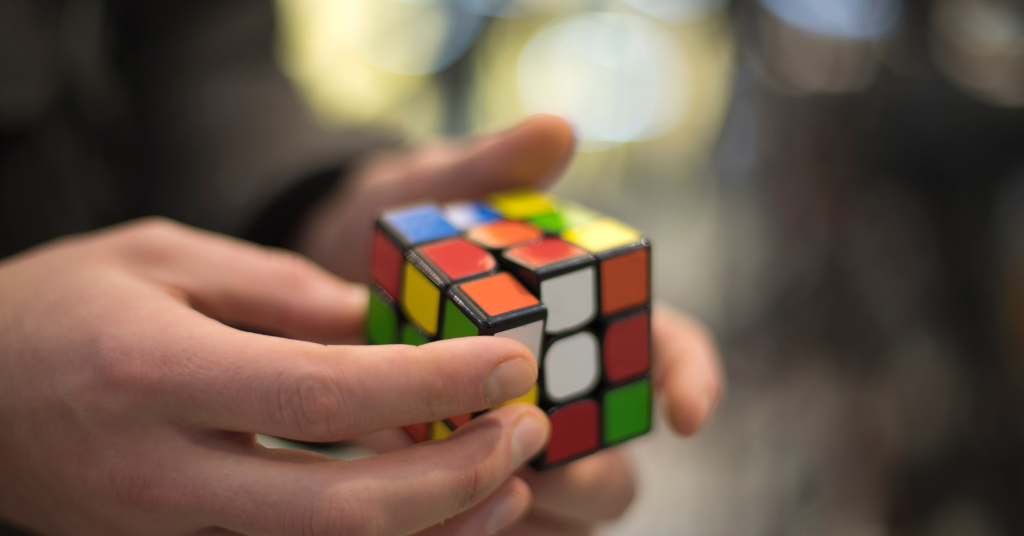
(848, 19)
(616, 77)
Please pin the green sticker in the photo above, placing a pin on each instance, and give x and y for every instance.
(456, 324)
(566, 215)
(381, 321)
(627, 411)
(411, 335)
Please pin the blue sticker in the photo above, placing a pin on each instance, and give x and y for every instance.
(420, 223)
(469, 214)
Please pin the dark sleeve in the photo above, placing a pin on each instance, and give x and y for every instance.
(225, 142)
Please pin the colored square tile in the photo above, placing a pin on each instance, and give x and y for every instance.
(381, 319)
(418, 224)
(601, 234)
(624, 281)
(625, 351)
(627, 411)
(547, 251)
(565, 216)
(574, 431)
(418, 432)
(498, 294)
(421, 299)
(459, 259)
(522, 204)
(410, 335)
(456, 324)
(503, 234)
(387, 264)
(571, 367)
(457, 421)
(571, 299)
(469, 214)
(531, 335)
(439, 430)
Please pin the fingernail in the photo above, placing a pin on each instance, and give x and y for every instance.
(505, 512)
(527, 439)
(508, 380)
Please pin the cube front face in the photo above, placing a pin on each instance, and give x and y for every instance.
(571, 285)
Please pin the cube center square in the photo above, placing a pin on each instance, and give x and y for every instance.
(571, 367)
(503, 234)
(570, 284)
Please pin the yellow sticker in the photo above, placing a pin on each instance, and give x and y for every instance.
(439, 430)
(421, 300)
(601, 234)
(522, 204)
(530, 398)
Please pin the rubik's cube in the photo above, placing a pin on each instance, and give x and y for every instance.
(569, 283)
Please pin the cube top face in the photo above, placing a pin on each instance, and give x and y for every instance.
(418, 224)
(522, 204)
(465, 215)
(499, 294)
(503, 234)
(457, 259)
(545, 253)
(601, 235)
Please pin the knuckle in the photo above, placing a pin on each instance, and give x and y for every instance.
(338, 513)
(151, 240)
(310, 403)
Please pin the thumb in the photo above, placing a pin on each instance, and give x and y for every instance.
(529, 155)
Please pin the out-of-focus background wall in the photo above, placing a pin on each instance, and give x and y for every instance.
(835, 186)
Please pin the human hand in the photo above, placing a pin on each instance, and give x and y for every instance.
(128, 406)
(571, 500)
(687, 374)
(337, 232)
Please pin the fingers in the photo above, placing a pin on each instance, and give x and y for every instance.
(237, 381)
(283, 493)
(598, 487)
(530, 155)
(244, 285)
(502, 509)
(686, 368)
(540, 524)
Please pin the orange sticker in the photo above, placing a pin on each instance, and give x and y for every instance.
(624, 282)
(499, 293)
(504, 234)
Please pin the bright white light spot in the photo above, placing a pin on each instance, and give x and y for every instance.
(676, 10)
(850, 19)
(615, 77)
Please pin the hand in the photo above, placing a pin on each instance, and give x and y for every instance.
(128, 404)
(687, 374)
(337, 232)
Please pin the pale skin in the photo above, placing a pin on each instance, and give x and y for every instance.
(129, 398)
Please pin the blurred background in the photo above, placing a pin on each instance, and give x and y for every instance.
(835, 186)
